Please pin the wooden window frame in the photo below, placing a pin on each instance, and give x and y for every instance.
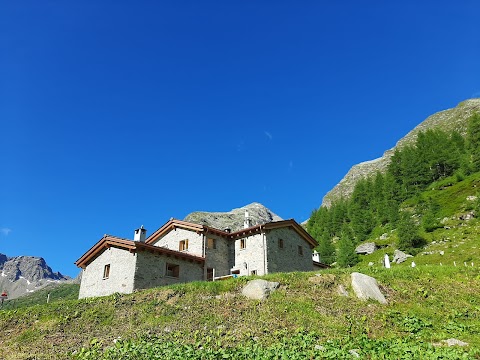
(211, 243)
(210, 274)
(243, 244)
(106, 271)
(300, 250)
(172, 270)
(183, 245)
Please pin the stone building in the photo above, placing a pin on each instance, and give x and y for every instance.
(181, 251)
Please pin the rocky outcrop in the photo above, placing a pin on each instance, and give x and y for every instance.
(366, 248)
(399, 256)
(447, 120)
(234, 219)
(21, 275)
(259, 289)
(366, 287)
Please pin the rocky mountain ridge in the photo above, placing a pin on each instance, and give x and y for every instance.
(447, 120)
(234, 219)
(21, 275)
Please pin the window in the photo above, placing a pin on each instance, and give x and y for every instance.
(210, 274)
(243, 244)
(183, 245)
(106, 271)
(280, 243)
(211, 244)
(253, 272)
(300, 250)
(235, 272)
(173, 270)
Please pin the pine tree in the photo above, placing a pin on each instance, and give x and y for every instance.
(326, 249)
(473, 141)
(408, 233)
(346, 255)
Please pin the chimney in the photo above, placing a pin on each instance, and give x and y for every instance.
(140, 234)
(227, 230)
(316, 256)
(247, 222)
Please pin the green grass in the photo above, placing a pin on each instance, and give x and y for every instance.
(305, 318)
(60, 292)
(426, 304)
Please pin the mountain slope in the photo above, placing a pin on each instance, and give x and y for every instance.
(447, 120)
(233, 219)
(21, 275)
(426, 305)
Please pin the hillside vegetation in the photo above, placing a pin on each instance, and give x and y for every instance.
(305, 318)
(430, 189)
(455, 119)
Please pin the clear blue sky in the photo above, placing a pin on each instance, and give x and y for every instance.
(115, 114)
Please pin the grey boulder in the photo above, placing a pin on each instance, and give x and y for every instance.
(259, 289)
(366, 287)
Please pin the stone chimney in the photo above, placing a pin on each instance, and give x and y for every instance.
(247, 222)
(140, 234)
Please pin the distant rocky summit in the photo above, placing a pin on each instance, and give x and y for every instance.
(234, 219)
(447, 120)
(21, 275)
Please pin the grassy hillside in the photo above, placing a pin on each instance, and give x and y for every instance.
(456, 240)
(305, 318)
(58, 292)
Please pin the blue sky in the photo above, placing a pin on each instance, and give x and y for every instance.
(115, 114)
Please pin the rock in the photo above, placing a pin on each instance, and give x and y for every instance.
(366, 249)
(354, 353)
(471, 198)
(441, 252)
(371, 263)
(319, 347)
(259, 289)
(451, 342)
(342, 291)
(467, 216)
(326, 280)
(400, 256)
(384, 236)
(25, 274)
(366, 287)
(233, 219)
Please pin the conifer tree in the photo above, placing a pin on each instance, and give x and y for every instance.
(346, 255)
(408, 233)
(473, 141)
(326, 249)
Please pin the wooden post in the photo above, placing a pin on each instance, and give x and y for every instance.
(48, 298)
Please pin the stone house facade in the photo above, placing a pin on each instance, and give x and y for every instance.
(180, 251)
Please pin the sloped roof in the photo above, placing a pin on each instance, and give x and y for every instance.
(174, 223)
(109, 241)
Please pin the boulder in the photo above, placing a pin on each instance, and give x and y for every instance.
(366, 249)
(259, 289)
(366, 287)
(400, 256)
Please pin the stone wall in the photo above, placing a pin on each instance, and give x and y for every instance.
(172, 239)
(151, 270)
(287, 258)
(120, 278)
(251, 258)
(218, 258)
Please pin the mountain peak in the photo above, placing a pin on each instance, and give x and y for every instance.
(23, 274)
(454, 119)
(233, 219)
